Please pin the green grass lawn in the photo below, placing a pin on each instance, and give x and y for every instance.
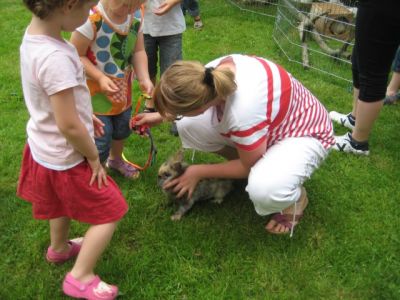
(347, 246)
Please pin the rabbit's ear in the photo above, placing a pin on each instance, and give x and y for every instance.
(179, 155)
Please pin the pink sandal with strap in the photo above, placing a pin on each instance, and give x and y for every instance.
(93, 290)
(288, 220)
(123, 168)
(59, 258)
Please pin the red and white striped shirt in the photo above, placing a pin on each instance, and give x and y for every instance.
(270, 105)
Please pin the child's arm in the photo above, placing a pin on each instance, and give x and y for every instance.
(72, 128)
(82, 44)
(141, 68)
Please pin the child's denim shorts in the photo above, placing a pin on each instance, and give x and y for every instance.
(115, 128)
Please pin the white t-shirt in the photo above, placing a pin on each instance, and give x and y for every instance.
(173, 22)
(269, 105)
(49, 66)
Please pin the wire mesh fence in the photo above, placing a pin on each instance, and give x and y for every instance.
(262, 7)
(316, 34)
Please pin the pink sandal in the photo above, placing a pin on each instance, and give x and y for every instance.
(59, 258)
(289, 221)
(123, 167)
(93, 290)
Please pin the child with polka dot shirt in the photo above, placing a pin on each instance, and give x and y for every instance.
(111, 47)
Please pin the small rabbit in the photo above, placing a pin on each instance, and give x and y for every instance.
(206, 189)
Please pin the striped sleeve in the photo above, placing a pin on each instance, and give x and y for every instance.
(268, 109)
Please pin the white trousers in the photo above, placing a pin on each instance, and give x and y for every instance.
(275, 181)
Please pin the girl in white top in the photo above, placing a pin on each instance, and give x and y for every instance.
(163, 17)
(251, 111)
(60, 161)
(163, 26)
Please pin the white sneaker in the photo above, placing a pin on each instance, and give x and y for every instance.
(345, 143)
(342, 119)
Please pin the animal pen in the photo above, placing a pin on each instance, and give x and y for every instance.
(316, 34)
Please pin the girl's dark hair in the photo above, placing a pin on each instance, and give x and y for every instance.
(43, 8)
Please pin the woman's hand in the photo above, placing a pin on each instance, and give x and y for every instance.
(107, 86)
(98, 126)
(186, 183)
(98, 173)
(146, 119)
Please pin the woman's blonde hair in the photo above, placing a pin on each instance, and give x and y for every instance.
(187, 85)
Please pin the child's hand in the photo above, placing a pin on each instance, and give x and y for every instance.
(98, 126)
(146, 86)
(107, 86)
(98, 173)
(165, 7)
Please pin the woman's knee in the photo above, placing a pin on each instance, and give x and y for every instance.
(270, 196)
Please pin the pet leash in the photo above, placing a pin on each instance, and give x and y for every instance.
(143, 130)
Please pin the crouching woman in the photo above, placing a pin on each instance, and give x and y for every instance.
(271, 129)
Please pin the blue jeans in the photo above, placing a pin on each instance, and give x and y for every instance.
(115, 128)
(192, 6)
(169, 47)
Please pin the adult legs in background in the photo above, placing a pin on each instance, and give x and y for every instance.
(192, 6)
(392, 91)
(373, 53)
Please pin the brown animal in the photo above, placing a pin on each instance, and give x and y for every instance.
(206, 189)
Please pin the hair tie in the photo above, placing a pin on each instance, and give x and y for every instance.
(208, 77)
